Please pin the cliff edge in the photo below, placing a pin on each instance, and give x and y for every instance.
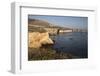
(37, 39)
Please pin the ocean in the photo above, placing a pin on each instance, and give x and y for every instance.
(75, 43)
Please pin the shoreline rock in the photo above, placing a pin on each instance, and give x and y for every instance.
(37, 39)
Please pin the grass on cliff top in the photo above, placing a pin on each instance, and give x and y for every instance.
(36, 29)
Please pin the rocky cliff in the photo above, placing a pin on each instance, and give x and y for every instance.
(37, 39)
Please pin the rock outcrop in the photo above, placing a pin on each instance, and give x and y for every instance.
(37, 39)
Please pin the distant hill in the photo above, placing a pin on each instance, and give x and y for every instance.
(38, 22)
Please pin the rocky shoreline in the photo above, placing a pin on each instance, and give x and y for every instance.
(40, 43)
(47, 53)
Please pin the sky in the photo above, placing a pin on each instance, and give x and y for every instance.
(65, 21)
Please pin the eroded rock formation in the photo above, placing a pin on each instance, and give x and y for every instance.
(36, 39)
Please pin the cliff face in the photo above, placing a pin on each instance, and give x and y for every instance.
(36, 39)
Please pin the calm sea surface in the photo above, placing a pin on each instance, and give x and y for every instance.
(74, 43)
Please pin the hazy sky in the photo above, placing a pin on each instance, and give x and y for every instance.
(65, 21)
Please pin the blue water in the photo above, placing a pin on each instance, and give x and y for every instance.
(74, 43)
